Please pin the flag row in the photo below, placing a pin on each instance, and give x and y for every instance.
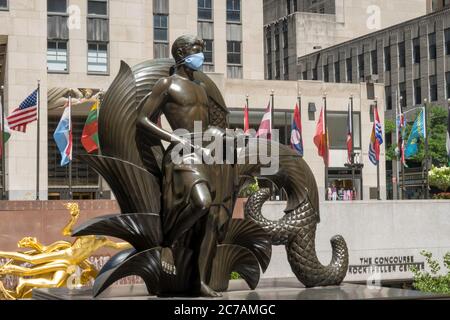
(27, 112)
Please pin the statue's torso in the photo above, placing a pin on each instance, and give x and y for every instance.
(188, 102)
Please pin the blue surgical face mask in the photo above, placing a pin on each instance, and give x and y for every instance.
(195, 61)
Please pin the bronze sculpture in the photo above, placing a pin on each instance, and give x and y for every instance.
(177, 215)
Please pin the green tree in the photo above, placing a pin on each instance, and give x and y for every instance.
(437, 138)
(431, 281)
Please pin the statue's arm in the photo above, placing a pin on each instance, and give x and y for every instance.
(151, 106)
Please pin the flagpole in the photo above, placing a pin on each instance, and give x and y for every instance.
(327, 144)
(378, 164)
(272, 94)
(402, 190)
(397, 174)
(100, 183)
(38, 142)
(353, 143)
(427, 150)
(2, 89)
(70, 130)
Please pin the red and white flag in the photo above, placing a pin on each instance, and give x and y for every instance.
(265, 128)
(26, 113)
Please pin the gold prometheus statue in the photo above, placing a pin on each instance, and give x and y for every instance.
(55, 265)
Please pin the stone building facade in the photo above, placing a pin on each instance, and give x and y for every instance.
(292, 32)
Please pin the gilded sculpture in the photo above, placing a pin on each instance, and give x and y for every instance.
(55, 265)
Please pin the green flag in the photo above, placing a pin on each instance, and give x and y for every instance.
(418, 132)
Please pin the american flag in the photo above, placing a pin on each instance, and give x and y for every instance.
(24, 114)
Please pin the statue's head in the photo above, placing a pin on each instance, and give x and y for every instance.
(188, 50)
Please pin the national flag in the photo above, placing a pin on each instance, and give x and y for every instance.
(321, 139)
(246, 120)
(376, 140)
(89, 138)
(448, 135)
(296, 134)
(350, 135)
(5, 136)
(265, 128)
(63, 136)
(417, 132)
(26, 113)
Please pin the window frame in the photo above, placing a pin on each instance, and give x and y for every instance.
(447, 41)
(99, 73)
(447, 84)
(67, 71)
(387, 59)
(416, 92)
(91, 15)
(401, 55)
(345, 113)
(57, 13)
(212, 51)
(432, 86)
(415, 52)
(228, 11)
(205, 8)
(234, 52)
(160, 28)
(430, 46)
(6, 8)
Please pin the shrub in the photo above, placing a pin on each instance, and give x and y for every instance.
(430, 281)
(440, 178)
(442, 196)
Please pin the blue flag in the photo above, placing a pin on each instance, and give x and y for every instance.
(63, 136)
(418, 132)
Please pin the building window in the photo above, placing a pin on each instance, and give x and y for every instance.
(269, 71)
(314, 74)
(97, 57)
(208, 51)
(277, 70)
(349, 67)
(205, 10)
(234, 10)
(54, 6)
(288, 6)
(416, 50)
(161, 27)
(305, 75)
(98, 8)
(432, 45)
(361, 66)
(3, 4)
(337, 126)
(388, 94)
(286, 68)
(433, 88)
(447, 41)
(234, 52)
(402, 90)
(337, 72)
(387, 58)
(417, 92)
(447, 79)
(326, 73)
(374, 59)
(57, 56)
(401, 55)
